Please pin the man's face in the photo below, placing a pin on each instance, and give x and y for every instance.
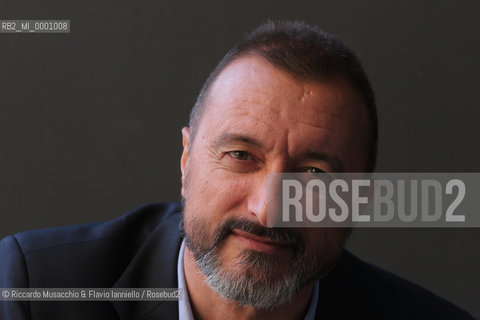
(258, 120)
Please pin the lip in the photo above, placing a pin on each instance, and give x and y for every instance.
(260, 243)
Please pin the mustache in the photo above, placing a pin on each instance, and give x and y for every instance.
(289, 236)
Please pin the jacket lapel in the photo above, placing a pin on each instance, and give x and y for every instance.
(154, 266)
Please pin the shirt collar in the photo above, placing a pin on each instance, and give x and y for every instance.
(184, 309)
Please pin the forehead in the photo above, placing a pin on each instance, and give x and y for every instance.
(252, 95)
(250, 80)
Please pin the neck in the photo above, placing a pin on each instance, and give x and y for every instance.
(206, 303)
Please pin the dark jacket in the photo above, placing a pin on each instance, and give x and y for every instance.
(140, 250)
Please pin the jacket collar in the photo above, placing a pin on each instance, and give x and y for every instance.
(154, 266)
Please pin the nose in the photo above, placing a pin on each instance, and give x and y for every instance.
(257, 201)
(264, 196)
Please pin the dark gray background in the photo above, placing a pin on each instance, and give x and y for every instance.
(90, 121)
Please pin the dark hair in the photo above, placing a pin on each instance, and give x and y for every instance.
(305, 52)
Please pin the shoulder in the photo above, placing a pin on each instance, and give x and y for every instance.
(135, 225)
(362, 288)
(64, 255)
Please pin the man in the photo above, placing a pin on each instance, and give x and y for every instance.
(289, 98)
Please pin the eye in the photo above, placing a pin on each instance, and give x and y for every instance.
(314, 171)
(240, 155)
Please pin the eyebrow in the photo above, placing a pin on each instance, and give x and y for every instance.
(334, 161)
(227, 138)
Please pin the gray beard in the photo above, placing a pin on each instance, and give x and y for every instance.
(255, 287)
(259, 285)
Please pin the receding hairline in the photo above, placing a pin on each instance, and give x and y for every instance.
(326, 79)
(203, 102)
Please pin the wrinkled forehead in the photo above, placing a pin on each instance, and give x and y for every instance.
(251, 78)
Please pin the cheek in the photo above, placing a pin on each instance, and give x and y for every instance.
(213, 190)
(216, 195)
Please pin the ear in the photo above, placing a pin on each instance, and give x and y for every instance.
(185, 154)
